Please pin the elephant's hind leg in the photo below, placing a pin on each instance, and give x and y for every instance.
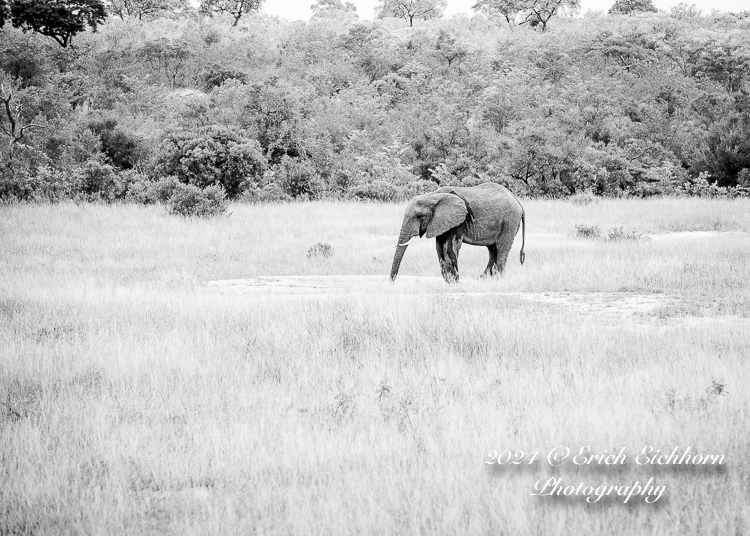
(491, 269)
(504, 243)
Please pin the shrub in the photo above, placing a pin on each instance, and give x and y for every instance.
(587, 231)
(585, 197)
(418, 188)
(617, 233)
(321, 249)
(215, 76)
(97, 181)
(146, 191)
(212, 156)
(189, 200)
(375, 191)
(270, 193)
(121, 148)
(298, 178)
(613, 235)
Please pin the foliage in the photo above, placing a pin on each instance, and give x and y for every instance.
(4, 12)
(615, 234)
(211, 156)
(629, 7)
(236, 8)
(321, 249)
(535, 13)
(411, 9)
(375, 191)
(145, 191)
(270, 193)
(59, 19)
(143, 8)
(338, 108)
(331, 8)
(190, 201)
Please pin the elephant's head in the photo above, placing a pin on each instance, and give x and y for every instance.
(431, 215)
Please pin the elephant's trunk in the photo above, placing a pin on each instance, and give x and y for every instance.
(408, 231)
(400, 250)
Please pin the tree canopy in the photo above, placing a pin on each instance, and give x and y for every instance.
(628, 7)
(58, 19)
(411, 9)
(236, 8)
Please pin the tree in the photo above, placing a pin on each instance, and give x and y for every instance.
(143, 8)
(411, 9)
(4, 12)
(58, 19)
(507, 9)
(628, 7)
(327, 8)
(539, 12)
(12, 123)
(534, 12)
(236, 8)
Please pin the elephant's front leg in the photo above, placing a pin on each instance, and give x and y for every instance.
(452, 247)
(440, 246)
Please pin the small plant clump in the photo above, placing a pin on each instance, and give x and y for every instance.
(585, 197)
(190, 201)
(321, 249)
(587, 231)
(699, 402)
(615, 234)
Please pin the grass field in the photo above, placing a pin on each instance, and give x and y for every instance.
(135, 401)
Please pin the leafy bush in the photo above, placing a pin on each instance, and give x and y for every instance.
(270, 193)
(614, 234)
(375, 191)
(120, 147)
(321, 249)
(146, 191)
(701, 187)
(298, 178)
(418, 188)
(216, 76)
(99, 182)
(617, 233)
(587, 231)
(189, 200)
(211, 156)
(47, 184)
(585, 197)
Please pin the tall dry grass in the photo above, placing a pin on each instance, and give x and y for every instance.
(134, 401)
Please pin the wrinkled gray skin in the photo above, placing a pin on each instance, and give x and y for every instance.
(486, 215)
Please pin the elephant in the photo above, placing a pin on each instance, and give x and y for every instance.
(484, 215)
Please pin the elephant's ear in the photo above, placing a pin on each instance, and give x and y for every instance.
(448, 212)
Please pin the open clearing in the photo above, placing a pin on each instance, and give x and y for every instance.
(171, 376)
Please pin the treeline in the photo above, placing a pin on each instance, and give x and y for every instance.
(641, 104)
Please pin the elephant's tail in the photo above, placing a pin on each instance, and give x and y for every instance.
(523, 235)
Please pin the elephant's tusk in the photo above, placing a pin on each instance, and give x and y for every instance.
(406, 243)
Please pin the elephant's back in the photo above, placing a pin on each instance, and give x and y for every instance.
(495, 209)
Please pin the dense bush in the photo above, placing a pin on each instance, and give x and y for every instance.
(270, 193)
(189, 200)
(375, 191)
(211, 156)
(148, 192)
(600, 105)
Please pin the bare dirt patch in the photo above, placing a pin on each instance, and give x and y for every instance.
(693, 235)
(637, 308)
